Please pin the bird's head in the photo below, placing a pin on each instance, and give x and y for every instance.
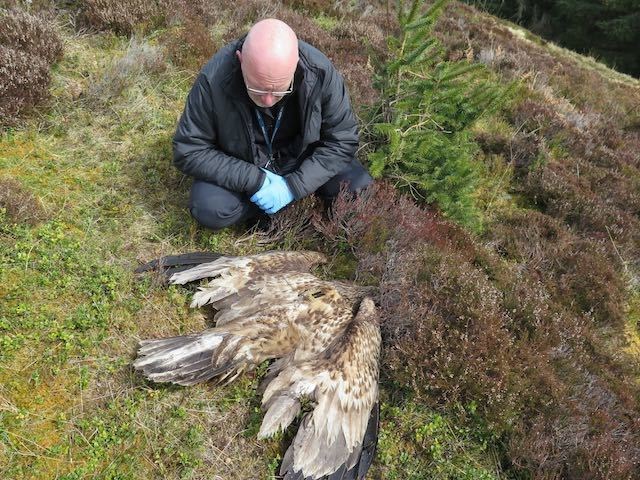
(354, 293)
(314, 258)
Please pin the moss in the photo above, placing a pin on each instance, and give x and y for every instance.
(418, 444)
(343, 266)
(326, 22)
(633, 318)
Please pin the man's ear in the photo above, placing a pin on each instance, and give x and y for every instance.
(239, 55)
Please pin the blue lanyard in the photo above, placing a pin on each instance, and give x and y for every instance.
(269, 141)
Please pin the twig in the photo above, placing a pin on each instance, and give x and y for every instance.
(624, 263)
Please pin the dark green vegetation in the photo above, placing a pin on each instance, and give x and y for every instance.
(511, 351)
(428, 110)
(606, 29)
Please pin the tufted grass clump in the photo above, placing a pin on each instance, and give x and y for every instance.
(139, 59)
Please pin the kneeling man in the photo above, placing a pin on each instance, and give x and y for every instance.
(267, 122)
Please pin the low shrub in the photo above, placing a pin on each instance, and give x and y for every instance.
(580, 273)
(190, 45)
(588, 283)
(586, 175)
(456, 347)
(28, 47)
(593, 435)
(30, 34)
(24, 82)
(522, 150)
(584, 202)
(19, 205)
(292, 228)
(379, 222)
(122, 17)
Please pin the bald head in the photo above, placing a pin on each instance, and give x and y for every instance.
(269, 58)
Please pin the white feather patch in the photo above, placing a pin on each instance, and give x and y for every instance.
(200, 344)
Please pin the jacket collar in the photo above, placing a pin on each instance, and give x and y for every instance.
(309, 75)
(233, 84)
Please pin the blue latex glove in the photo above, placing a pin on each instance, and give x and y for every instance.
(274, 194)
(270, 176)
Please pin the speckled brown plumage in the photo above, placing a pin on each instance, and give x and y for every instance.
(324, 337)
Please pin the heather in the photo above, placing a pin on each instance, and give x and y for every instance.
(29, 45)
(510, 301)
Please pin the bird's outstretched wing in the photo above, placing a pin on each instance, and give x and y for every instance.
(189, 267)
(250, 266)
(298, 313)
(343, 382)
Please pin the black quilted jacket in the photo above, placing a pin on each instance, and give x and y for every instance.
(214, 140)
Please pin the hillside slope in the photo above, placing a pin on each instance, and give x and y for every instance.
(510, 353)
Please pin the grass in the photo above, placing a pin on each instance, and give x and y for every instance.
(416, 443)
(326, 22)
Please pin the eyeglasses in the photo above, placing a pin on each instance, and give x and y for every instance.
(267, 92)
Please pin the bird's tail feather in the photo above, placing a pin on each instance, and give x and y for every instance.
(356, 466)
(190, 359)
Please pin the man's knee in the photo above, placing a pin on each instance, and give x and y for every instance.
(217, 208)
(211, 218)
(360, 179)
(355, 177)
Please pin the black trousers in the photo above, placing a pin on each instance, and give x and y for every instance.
(216, 207)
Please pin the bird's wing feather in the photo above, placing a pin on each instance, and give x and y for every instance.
(286, 322)
(261, 293)
(251, 266)
(171, 264)
(360, 458)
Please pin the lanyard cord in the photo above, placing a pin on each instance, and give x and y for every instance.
(269, 140)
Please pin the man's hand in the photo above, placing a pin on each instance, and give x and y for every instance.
(274, 193)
